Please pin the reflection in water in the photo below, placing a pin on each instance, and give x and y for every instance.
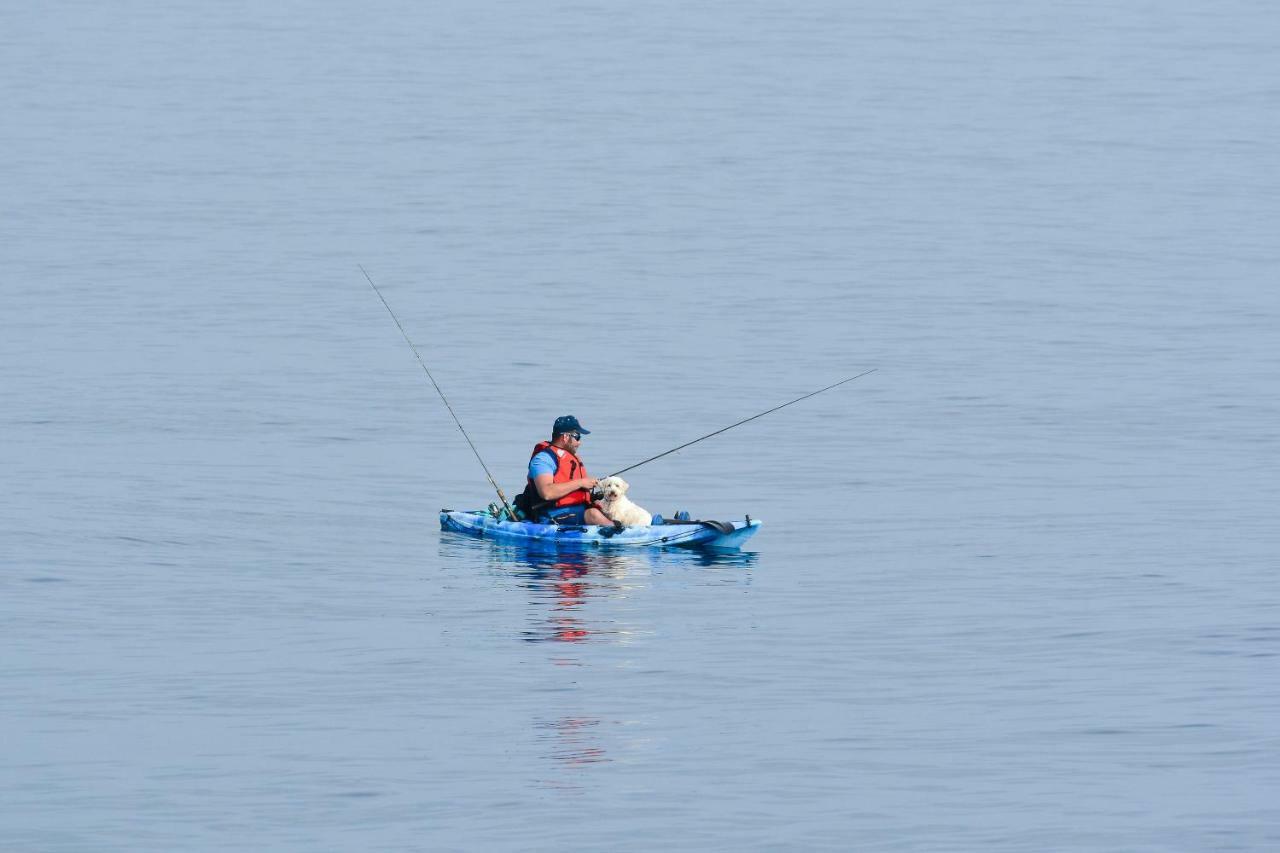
(561, 586)
(567, 585)
(561, 582)
(573, 741)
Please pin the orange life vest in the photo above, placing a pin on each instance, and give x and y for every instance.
(568, 467)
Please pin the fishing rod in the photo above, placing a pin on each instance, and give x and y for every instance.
(741, 422)
(543, 504)
(492, 482)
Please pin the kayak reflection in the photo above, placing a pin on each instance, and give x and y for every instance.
(577, 602)
(580, 596)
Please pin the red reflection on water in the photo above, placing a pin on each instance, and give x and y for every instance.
(571, 592)
(574, 741)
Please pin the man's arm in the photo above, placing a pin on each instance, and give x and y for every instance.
(552, 491)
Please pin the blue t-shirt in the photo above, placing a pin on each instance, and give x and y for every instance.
(543, 463)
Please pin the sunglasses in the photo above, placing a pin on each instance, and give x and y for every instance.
(577, 436)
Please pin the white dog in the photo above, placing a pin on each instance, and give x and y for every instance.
(614, 503)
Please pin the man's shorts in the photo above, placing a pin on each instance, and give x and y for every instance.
(565, 515)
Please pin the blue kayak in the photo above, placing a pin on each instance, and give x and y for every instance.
(691, 534)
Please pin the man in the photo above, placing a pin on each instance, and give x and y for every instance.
(558, 479)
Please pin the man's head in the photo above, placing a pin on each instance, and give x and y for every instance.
(567, 431)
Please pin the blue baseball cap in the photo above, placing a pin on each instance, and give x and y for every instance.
(567, 423)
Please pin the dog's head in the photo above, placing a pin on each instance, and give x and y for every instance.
(612, 488)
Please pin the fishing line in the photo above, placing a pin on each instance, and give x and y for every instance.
(543, 504)
(746, 420)
(492, 482)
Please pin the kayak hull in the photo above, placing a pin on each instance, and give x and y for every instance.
(481, 525)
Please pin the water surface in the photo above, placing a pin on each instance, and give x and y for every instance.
(1016, 591)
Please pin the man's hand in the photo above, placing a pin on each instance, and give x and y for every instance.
(551, 491)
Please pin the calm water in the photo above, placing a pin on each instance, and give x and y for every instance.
(1016, 591)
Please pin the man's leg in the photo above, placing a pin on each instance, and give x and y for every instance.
(595, 516)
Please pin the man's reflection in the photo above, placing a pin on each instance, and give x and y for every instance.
(573, 741)
(572, 597)
(561, 585)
